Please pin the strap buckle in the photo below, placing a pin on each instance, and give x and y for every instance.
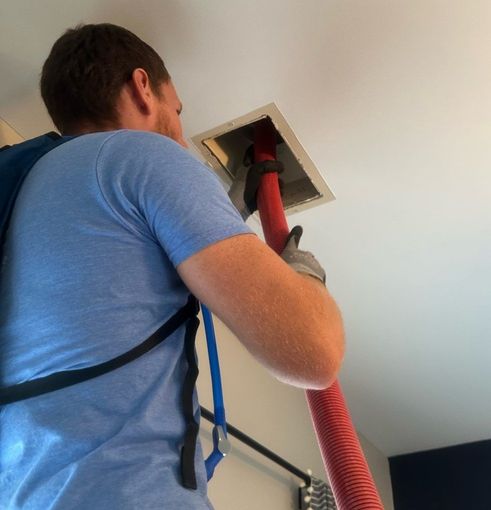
(220, 441)
(221, 448)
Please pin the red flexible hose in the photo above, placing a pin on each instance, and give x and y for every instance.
(347, 470)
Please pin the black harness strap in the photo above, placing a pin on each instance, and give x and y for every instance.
(67, 378)
(192, 427)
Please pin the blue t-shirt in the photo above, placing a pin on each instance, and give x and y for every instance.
(98, 229)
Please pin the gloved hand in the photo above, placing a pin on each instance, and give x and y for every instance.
(244, 188)
(301, 261)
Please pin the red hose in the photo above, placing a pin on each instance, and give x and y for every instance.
(270, 205)
(347, 470)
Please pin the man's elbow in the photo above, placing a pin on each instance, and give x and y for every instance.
(320, 369)
(332, 360)
(331, 349)
(327, 378)
(315, 378)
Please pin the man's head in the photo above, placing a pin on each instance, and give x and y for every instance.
(102, 77)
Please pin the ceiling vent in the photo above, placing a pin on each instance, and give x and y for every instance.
(225, 148)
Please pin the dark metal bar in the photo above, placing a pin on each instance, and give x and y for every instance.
(235, 432)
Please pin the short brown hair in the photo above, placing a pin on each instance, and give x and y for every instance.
(88, 65)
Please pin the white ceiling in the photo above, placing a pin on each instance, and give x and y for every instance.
(392, 100)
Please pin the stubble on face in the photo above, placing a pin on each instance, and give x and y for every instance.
(168, 121)
(163, 125)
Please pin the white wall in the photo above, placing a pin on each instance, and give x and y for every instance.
(8, 136)
(379, 466)
(277, 416)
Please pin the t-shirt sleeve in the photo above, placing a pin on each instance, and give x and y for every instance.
(157, 189)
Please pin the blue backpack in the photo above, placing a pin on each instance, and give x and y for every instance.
(15, 163)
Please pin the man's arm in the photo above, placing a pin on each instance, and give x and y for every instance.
(286, 320)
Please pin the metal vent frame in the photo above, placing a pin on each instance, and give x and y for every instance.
(224, 146)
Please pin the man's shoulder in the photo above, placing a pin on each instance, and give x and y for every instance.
(130, 140)
(144, 159)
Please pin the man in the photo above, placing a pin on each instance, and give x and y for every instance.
(111, 232)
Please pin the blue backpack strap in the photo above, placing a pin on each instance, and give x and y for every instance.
(16, 162)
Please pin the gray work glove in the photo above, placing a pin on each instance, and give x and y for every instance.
(246, 182)
(301, 261)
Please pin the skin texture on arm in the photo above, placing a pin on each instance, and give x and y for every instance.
(286, 320)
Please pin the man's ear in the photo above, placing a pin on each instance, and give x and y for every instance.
(141, 91)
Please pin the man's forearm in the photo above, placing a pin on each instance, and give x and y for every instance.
(304, 344)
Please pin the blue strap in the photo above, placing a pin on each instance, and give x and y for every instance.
(212, 462)
(221, 445)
